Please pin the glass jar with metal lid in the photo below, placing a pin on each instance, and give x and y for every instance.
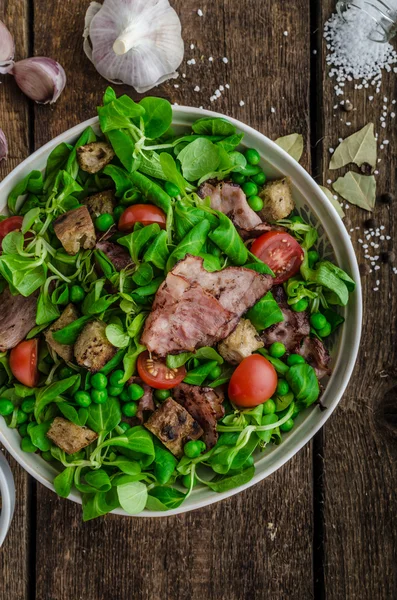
(383, 14)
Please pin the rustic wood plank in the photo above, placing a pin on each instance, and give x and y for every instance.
(244, 546)
(359, 450)
(14, 120)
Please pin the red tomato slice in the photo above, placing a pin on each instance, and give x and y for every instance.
(141, 213)
(8, 225)
(281, 252)
(253, 382)
(23, 362)
(155, 372)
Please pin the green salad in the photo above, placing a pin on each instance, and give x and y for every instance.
(164, 310)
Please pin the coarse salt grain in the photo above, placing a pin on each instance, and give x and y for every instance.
(285, 33)
(200, 12)
(211, 58)
(225, 60)
(197, 88)
(272, 110)
(242, 103)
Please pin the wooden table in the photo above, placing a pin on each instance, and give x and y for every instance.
(323, 526)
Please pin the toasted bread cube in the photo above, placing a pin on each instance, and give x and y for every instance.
(70, 437)
(95, 156)
(242, 342)
(277, 199)
(65, 351)
(75, 230)
(101, 203)
(173, 426)
(92, 349)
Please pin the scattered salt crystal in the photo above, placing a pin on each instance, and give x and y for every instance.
(272, 110)
(285, 33)
(221, 88)
(200, 12)
(210, 58)
(192, 46)
(375, 289)
(242, 103)
(314, 52)
(384, 125)
(331, 150)
(227, 86)
(348, 123)
(370, 98)
(376, 172)
(360, 241)
(388, 237)
(376, 268)
(225, 60)
(385, 99)
(386, 142)
(351, 229)
(176, 85)
(197, 88)
(217, 93)
(329, 181)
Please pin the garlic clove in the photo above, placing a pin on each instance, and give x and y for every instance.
(3, 146)
(137, 42)
(40, 78)
(7, 49)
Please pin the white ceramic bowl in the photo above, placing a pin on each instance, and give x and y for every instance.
(314, 205)
(7, 496)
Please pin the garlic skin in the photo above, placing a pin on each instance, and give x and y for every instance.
(7, 50)
(137, 42)
(3, 146)
(41, 79)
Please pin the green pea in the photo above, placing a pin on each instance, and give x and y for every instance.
(65, 372)
(135, 392)
(171, 189)
(256, 203)
(118, 211)
(162, 394)
(295, 359)
(104, 222)
(277, 350)
(300, 306)
(99, 381)
(124, 396)
(99, 396)
(82, 399)
(287, 426)
(115, 390)
(187, 479)
(215, 373)
(23, 430)
(30, 426)
(27, 445)
(116, 378)
(259, 179)
(252, 156)
(77, 294)
(282, 387)
(28, 405)
(194, 448)
(6, 407)
(129, 409)
(269, 407)
(47, 456)
(318, 321)
(21, 417)
(251, 170)
(313, 257)
(238, 178)
(325, 331)
(124, 426)
(130, 196)
(250, 188)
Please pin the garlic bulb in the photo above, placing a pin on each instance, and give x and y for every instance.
(7, 49)
(40, 78)
(137, 42)
(3, 146)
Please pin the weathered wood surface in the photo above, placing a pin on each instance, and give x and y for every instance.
(260, 543)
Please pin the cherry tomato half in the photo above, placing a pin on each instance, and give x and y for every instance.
(8, 225)
(141, 213)
(253, 382)
(281, 252)
(23, 362)
(155, 372)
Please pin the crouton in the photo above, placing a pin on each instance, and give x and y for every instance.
(70, 437)
(95, 156)
(241, 343)
(92, 349)
(65, 351)
(173, 426)
(75, 230)
(277, 200)
(100, 204)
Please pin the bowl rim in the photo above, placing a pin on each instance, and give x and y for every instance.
(297, 170)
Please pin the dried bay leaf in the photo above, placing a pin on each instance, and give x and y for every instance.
(359, 148)
(293, 144)
(357, 189)
(334, 202)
